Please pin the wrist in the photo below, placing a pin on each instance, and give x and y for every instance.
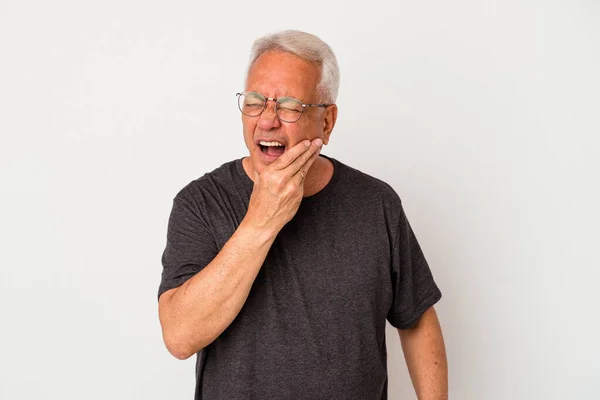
(258, 231)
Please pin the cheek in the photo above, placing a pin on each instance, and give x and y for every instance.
(308, 129)
(248, 128)
(296, 133)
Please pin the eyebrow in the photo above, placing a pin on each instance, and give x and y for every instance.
(276, 97)
(278, 93)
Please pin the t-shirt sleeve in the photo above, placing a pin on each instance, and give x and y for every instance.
(414, 288)
(190, 245)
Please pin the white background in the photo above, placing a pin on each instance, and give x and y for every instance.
(483, 115)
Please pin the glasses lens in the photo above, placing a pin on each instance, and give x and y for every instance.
(251, 103)
(289, 109)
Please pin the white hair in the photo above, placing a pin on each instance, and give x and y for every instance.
(308, 47)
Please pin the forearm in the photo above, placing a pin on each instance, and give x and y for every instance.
(425, 355)
(196, 313)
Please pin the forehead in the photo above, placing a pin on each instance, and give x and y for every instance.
(277, 74)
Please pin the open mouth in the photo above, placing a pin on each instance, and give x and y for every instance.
(272, 149)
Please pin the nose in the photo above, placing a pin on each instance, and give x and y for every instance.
(268, 119)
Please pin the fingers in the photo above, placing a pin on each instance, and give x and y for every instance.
(289, 156)
(302, 159)
(303, 171)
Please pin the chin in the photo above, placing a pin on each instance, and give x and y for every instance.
(256, 164)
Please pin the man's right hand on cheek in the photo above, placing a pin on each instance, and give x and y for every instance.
(279, 189)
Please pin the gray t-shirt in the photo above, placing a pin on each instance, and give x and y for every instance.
(313, 326)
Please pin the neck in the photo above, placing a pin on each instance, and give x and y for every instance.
(318, 176)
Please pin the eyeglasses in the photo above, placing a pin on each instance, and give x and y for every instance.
(288, 109)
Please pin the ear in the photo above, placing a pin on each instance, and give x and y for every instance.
(329, 121)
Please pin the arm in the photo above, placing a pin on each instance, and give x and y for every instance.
(425, 355)
(194, 314)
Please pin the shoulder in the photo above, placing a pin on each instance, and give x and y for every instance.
(370, 198)
(366, 185)
(209, 184)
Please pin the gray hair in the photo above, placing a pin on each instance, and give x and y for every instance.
(306, 46)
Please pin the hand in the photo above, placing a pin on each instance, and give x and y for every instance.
(279, 189)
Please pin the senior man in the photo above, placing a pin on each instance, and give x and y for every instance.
(282, 267)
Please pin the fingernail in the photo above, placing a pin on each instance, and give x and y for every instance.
(307, 143)
(318, 142)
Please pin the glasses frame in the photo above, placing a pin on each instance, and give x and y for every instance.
(304, 106)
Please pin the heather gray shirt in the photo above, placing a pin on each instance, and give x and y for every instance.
(313, 326)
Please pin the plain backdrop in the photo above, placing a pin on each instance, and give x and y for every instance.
(483, 116)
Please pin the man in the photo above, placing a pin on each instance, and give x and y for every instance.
(281, 268)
